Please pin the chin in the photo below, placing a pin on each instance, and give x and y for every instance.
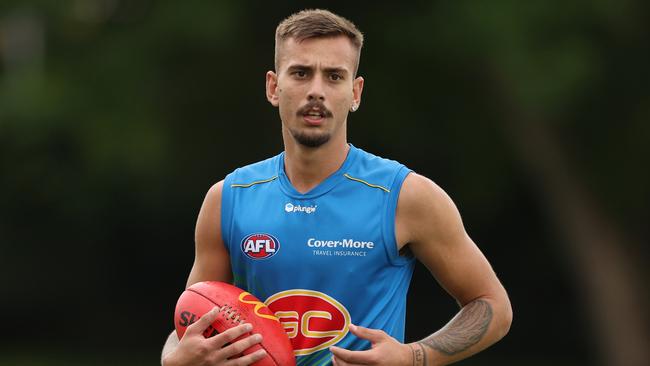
(310, 140)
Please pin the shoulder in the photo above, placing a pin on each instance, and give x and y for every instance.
(421, 193)
(377, 171)
(214, 193)
(255, 172)
(371, 162)
(211, 207)
(424, 209)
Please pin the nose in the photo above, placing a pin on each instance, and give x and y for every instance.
(316, 89)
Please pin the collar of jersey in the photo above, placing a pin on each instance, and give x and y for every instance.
(324, 186)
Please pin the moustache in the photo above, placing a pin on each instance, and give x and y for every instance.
(314, 104)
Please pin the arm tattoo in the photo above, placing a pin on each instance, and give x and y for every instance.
(424, 355)
(463, 331)
(419, 355)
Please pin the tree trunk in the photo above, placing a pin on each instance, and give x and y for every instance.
(604, 266)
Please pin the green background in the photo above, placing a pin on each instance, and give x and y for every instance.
(116, 117)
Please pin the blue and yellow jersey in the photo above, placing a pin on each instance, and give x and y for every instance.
(323, 259)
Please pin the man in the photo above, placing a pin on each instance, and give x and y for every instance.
(327, 234)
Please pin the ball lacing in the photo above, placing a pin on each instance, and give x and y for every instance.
(231, 314)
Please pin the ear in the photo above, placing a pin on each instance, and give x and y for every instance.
(357, 90)
(272, 88)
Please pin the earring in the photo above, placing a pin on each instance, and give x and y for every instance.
(354, 107)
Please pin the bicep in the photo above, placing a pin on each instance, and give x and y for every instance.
(439, 240)
(211, 259)
(460, 268)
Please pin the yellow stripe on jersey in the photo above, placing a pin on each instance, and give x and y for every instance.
(253, 183)
(366, 183)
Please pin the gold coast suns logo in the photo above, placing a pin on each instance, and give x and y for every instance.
(313, 320)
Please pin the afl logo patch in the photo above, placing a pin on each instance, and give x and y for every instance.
(260, 246)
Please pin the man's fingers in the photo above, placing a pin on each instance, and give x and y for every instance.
(344, 357)
(229, 335)
(248, 359)
(338, 362)
(352, 357)
(200, 325)
(242, 345)
(373, 335)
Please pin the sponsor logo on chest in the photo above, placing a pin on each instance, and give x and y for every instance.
(260, 246)
(291, 208)
(342, 248)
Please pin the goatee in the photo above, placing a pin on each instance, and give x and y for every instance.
(310, 140)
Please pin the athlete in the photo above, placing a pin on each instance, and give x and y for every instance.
(327, 234)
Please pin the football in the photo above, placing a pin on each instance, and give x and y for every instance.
(236, 307)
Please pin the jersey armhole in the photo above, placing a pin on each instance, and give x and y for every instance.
(388, 221)
(226, 212)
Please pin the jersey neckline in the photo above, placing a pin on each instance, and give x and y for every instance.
(324, 186)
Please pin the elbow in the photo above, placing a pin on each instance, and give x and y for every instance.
(507, 321)
(501, 320)
(504, 318)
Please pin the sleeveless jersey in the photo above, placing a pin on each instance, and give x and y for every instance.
(323, 259)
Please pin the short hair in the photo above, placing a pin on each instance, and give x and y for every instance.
(317, 23)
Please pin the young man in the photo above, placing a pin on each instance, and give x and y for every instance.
(327, 234)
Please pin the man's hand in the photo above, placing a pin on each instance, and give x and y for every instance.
(385, 350)
(196, 350)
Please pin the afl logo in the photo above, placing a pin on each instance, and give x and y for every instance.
(260, 246)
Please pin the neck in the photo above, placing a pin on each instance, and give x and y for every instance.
(307, 167)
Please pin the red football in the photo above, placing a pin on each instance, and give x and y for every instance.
(237, 306)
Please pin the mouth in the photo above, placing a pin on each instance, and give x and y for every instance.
(314, 113)
(314, 117)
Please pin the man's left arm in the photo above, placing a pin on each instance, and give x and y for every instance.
(428, 221)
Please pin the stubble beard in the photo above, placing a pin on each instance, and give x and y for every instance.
(311, 140)
(307, 137)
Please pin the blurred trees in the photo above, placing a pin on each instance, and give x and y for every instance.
(116, 116)
(538, 66)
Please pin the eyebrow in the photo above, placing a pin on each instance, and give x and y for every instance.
(328, 70)
(338, 70)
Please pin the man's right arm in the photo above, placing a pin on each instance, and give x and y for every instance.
(211, 263)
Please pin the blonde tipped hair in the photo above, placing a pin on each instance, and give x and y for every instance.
(316, 23)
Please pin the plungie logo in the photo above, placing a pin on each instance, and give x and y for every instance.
(290, 208)
(260, 246)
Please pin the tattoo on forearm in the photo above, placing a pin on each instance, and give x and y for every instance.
(419, 355)
(424, 355)
(465, 330)
(414, 355)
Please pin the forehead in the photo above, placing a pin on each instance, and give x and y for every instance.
(336, 52)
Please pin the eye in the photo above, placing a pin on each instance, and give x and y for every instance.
(300, 74)
(335, 77)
